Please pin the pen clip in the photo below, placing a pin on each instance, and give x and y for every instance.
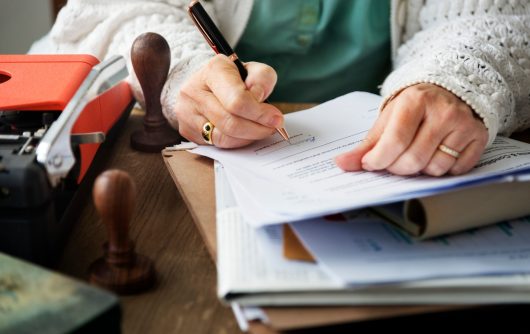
(201, 28)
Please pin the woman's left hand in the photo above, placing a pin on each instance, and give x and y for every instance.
(407, 136)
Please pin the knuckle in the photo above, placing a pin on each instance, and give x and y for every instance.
(407, 164)
(370, 140)
(402, 170)
(434, 134)
(236, 103)
(228, 124)
(224, 141)
(449, 115)
(215, 62)
(413, 162)
(186, 89)
(434, 169)
(221, 140)
(262, 118)
(213, 66)
(399, 169)
(270, 73)
(408, 112)
(467, 124)
(420, 94)
(399, 143)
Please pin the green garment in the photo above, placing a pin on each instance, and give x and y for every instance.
(320, 48)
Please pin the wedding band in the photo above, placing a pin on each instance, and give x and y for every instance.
(207, 132)
(454, 153)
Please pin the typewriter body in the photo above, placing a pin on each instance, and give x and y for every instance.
(57, 112)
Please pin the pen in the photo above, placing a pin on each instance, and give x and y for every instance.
(219, 44)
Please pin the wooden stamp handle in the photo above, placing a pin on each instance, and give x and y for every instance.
(150, 57)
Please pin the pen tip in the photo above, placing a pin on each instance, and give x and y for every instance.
(284, 134)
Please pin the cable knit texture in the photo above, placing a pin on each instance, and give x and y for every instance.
(105, 28)
(477, 49)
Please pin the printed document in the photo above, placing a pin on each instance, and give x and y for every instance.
(276, 182)
(252, 271)
(370, 250)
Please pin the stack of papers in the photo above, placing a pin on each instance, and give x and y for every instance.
(253, 272)
(361, 259)
(276, 182)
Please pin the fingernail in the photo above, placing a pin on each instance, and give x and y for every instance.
(275, 121)
(257, 92)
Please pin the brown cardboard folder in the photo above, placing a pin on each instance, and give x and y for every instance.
(194, 177)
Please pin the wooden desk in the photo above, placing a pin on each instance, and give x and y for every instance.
(184, 300)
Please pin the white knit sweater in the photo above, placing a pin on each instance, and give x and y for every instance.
(477, 49)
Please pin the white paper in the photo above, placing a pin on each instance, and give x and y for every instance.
(251, 260)
(275, 182)
(368, 251)
(247, 268)
(251, 271)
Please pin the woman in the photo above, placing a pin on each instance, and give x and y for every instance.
(460, 76)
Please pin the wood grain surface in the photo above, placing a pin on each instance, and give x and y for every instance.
(184, 299)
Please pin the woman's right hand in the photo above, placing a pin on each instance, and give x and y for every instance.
(217, 94)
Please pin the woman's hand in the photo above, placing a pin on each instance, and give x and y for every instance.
(406, 137)
(217, 94)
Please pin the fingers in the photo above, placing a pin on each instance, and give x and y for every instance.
(351, 161)
(420, 151)
(217, 94)
(197, 115)
(468, 158)
(231, 124)
(442, 126)
(406, 137)
(397, 136)
(469, 139)
(222, 140)
(378, 151)
(192, 131)
(222, 78)
(441, 162)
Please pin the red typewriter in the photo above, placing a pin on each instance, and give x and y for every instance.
(57, 115)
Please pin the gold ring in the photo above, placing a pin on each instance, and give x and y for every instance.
(447, 150)
(207, 132)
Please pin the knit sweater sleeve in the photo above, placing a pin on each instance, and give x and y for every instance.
(104, 28)
(479, 51)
